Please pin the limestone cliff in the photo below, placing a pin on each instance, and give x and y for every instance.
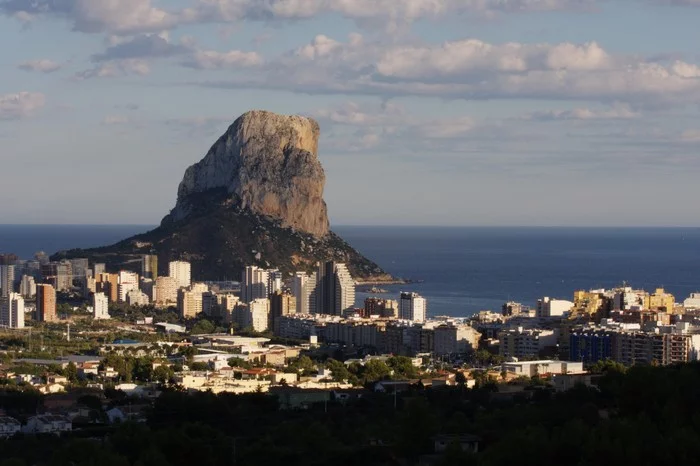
(256, 198)
(268, 164)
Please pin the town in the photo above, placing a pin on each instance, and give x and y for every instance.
(73, 331)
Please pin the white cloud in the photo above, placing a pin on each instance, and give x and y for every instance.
(20, 105)
(94, 16)
(134, 16)
(618, 112)
(473, 69)
(41, 66)
(212, 60)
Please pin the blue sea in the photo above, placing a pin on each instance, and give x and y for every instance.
(464, 270)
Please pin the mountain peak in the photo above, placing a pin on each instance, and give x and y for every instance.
(268, 164)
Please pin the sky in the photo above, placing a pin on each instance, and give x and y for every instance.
(432, 112)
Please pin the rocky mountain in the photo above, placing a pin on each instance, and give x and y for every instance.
(256, 198)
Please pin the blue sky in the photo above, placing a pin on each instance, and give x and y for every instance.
(433, 112)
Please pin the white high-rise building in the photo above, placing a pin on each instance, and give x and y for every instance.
(7, 280)
(12, 311)
(137, 298)
(27, 287)
(335, 289)
(304, 290)
(254, 282)
(181, 272)
(412, 306)
(256, 315)
(128, 281)
(100, 306)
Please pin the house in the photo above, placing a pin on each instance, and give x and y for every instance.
(120, 414)
(57, 379)
(48, 424)
(9, 426)
(564, 382)
(51, 388)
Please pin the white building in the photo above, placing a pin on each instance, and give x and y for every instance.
(181, 272)
(544, 367)
(455, 339)
(100, 306)
(254, 284)
(412, 306)
(525, 343)
(692, 302)
(303, 289)
(27, 287)
(254, 316)
(548, 307)
(128, 281)
(12, 311)
(137, 298)
(48, 424)
(190, 300)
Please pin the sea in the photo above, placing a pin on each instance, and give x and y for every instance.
(461, 271)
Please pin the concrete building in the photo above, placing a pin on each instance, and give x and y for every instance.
(335, 289)
(48, 424)
(660, 301)
(544, 367)
(12, 311)
(304, 290)
(258, 314)
(190, 300)
(46, 303)
(455, 339)
(27, 287)
(7, 280)
(108, 283)
(281, 304)
(181, 272)
(412, 306)
(627, 299)
(149, 266)
(98, 269)
(254, 284)
(548, 307)
(692, 302)
(137, 298)
(165, 291)
(58, 274)
(591, 345)
(128, 281)
(100, 306)
(385, 308)
(274, 281)
(523, 343)
(9, 427)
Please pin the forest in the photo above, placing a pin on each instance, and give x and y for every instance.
(644, 416)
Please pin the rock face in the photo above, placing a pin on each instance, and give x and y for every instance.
(256, 198)
(268, 164)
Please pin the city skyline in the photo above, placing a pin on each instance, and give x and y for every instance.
(436, 112)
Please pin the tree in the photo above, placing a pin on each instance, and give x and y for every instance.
(375, 370)
(303, 364)
(403, 367)
(72, 372)
(162, 374)
(238, 362)
(202, 327)
(338, 369)
(199, 366)
(460, 379)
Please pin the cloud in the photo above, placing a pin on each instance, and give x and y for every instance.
(141, 46)
(96, 16)
(212, 60)
(20, 105)
(619, 112)
(41, 66)
(475, 70)
(119, 58)
(134, 16)
(116, 68)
